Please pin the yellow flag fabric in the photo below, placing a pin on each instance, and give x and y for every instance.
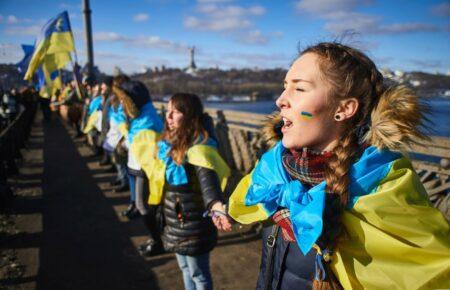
(208, 157)
(198, 155)
(52, 63)
(394, 238)
(123, 129)
(92, 120)
(143, 149)
(237, 208)
(156, 180)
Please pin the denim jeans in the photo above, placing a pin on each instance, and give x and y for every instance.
(196, 273)
(122, 173)
(132, 183)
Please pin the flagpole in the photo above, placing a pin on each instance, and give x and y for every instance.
(75, 77)
(88, 38)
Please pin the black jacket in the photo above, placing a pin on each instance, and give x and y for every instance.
(291, 269)
(186, 231)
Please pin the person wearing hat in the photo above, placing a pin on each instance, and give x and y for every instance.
(144, 127)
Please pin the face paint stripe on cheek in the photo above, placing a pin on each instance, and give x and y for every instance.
(306, 115)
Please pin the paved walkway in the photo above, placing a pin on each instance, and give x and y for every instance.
(70, 234)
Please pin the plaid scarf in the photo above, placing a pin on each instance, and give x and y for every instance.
(306, 165)
(309, 168)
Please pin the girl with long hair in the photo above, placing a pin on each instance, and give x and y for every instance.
(347, 209)
(142, 130)
(188, 178)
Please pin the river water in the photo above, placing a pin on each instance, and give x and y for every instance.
(439, 114)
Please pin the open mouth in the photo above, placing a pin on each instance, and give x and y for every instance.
(286, 124)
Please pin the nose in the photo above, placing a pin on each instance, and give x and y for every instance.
(282, 101)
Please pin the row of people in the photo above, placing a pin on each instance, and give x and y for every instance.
(344, 209)
(194, 167)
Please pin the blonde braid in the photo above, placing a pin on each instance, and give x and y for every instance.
(351, 75)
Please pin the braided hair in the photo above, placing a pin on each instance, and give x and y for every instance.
(388, 117)
(351, 74)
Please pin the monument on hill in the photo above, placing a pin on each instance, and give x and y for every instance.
(192, 68)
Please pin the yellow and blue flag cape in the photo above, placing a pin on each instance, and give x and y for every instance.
(94, 110)
(117, 115)
(53, 47)
(394, 238)
(142, 134)
(120, 119)
(203, 154)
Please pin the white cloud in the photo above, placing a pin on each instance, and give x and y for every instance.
(10, 53)
(141, 41)
(12, 19)
(235, 21)
(108, 36)
(141, 17)
(340, 17)
(226, 24)
(324, 7)
(253, 37)
(32, 30)
(222, 18)
(254, 60)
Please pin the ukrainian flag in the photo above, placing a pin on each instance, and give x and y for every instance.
(163, 168)
(53, 47)
(394, 238)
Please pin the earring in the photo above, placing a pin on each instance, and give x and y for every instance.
(337, 117)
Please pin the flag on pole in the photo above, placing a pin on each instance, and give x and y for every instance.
(53, 47)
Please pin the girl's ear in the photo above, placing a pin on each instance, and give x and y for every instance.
(346, 109)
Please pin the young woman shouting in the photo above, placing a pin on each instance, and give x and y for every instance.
(349, 211)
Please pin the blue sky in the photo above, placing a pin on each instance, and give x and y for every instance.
(406, 35)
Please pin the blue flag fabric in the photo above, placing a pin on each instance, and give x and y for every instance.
(28, 53)
(176, 174)
(272, 187)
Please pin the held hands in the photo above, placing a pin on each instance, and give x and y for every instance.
(220, 217)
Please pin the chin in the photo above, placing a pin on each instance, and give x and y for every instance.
(293, 143)
(288, 144)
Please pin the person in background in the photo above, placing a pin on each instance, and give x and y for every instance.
(348, 210)
(105, 91)
(114, 115)
(144, 126)
(94, 120)
(188, 177)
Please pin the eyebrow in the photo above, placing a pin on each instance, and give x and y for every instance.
(299, 80)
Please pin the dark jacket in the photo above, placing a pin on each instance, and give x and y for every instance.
(291, 269)
(186, 231)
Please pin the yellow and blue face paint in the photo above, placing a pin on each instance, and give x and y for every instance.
(306, 115)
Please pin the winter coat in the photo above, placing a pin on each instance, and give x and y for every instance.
(187, 231)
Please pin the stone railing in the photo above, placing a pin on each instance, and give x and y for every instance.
(241, 144)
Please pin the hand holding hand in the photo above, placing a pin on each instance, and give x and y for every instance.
(220, 218)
